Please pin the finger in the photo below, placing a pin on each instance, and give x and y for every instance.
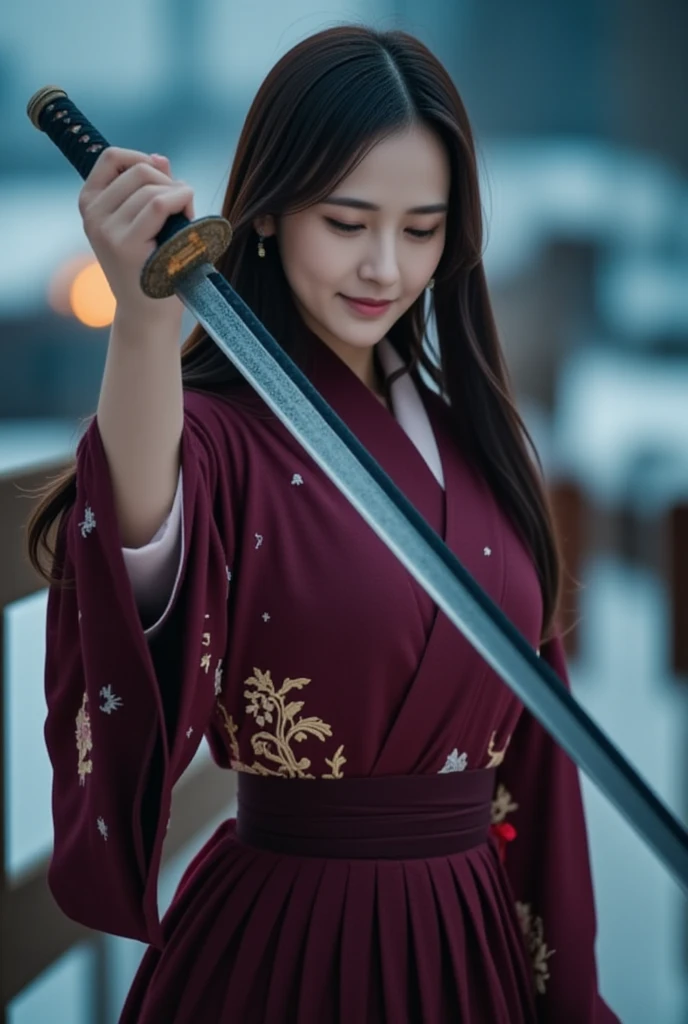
(112, 162)
(151, 218)
(107, 202)
(161, 162)
(126, 214)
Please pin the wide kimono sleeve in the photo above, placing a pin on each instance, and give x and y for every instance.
(547, 861)
(126, 706)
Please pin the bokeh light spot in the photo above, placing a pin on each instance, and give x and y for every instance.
(90, 297)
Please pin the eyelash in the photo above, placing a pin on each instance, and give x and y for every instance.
(354, 227)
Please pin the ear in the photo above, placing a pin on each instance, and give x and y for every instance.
(265, 225)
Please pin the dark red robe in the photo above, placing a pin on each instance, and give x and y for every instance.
(300, 647)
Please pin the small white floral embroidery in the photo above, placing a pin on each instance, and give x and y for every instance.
(296, 480)
(189, 731)
(103, 829)
(112, 701)
(89, 522)
(229, 578)
(218, 678)
(265, 617)
(455, 762)
(487, 552)
(205, 663)
(259, 539)
(79, 617)
(205, 642)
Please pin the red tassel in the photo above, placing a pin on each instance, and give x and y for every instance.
(504, 833)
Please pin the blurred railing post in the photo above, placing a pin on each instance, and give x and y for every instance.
(678, 569)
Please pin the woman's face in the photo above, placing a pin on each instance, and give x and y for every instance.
(365, 242)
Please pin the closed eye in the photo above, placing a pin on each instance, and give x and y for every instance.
(357, 227)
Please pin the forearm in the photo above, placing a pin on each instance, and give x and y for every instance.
(140, 418)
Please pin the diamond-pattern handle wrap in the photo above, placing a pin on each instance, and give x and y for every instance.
(52, 112)
(183, 245)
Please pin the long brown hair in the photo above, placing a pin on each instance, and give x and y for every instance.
(319, 111)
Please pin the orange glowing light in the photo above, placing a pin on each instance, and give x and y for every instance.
(61, 282)
(90, 298)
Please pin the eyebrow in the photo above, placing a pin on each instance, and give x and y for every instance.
(362, 204)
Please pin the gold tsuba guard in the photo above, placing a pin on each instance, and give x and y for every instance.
(202, 241)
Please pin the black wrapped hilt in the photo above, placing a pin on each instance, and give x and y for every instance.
(183, 245)
(52, 112)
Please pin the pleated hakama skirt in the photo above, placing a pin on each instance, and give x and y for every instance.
(347, 901)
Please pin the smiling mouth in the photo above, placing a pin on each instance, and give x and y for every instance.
(369, 302)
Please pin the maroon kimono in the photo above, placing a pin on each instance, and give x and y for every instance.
(300, 647)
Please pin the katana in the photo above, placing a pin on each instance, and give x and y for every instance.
(182, 264)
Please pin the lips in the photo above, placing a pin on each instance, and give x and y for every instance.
(368, 302)
(366, 308)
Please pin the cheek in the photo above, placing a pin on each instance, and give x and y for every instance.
(419, 273)
(433, 254)
(310, 262)
(421, 260)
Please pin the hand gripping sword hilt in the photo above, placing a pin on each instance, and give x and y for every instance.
(183, 245)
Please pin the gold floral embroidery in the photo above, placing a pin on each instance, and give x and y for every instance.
(270, 708)
(232, 729)
(502, 805)
(84, 740)
(537, 947)
(496, 756)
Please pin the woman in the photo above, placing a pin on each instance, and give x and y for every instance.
(410, 845)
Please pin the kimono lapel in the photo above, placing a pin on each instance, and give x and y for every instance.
(378, 430)
(409, 410)
(389, 443)
(449, 670)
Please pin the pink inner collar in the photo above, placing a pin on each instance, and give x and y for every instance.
(409, 411)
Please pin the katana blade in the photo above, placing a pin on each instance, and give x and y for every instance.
(287, 391)
(246, 342)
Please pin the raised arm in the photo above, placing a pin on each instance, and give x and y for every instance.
(126, 711)
(124, 202)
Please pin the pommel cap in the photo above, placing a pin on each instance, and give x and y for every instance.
(40, 100)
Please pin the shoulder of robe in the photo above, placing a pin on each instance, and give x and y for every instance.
(221, 434)
(219, 413)
(212, 415)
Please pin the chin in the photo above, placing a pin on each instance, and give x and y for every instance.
(366, 338)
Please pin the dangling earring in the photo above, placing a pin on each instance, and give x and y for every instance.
(431, 283)
(261, 247)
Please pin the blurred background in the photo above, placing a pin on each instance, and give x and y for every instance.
(580, 112)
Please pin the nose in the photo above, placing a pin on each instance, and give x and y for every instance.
(381, 263)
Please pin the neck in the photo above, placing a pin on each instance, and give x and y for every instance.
(363, 362)
(360, 361)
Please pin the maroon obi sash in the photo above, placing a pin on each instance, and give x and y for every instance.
(393, 816)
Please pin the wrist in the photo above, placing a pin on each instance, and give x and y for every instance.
(161, 319)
